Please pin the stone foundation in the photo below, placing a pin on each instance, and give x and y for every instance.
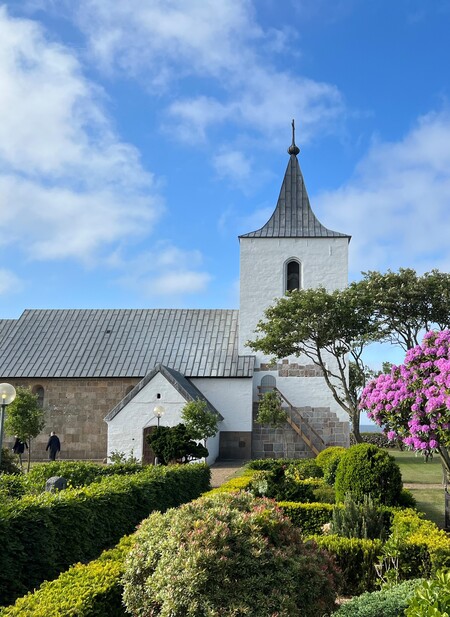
(235, 445)
(74, 409)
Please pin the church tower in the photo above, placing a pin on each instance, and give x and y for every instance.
(293, 250)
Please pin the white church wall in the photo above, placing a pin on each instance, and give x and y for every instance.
(232, 398)
(324, 262)
(125, 430)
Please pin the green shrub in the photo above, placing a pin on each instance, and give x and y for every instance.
(430, 543)
(43, 535)
(431, 597)
(12, 485)
(8, 464)
(356, 559)
(376, 439)
(360, 519)
(302, 468)
(308, 517)
(367, 469)
(328, 461)
(228, 555)
(324, 494)
(85, 590)
(77, 473)
(385, 603)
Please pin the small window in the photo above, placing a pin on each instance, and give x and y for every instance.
(39, 392)
(292, 275)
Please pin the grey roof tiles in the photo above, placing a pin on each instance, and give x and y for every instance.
(122, 343)
(293, 216)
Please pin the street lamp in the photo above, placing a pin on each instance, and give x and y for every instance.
(7, 395)
(159, 412)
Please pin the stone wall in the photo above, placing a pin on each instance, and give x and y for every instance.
(74, 409)
(284, 442)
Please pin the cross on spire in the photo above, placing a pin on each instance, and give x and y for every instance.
(293, 149)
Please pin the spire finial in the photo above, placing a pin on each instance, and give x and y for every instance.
(293, 149)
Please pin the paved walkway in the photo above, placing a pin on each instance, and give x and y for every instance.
(221, 471)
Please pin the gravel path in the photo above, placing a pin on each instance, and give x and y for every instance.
(222, 471)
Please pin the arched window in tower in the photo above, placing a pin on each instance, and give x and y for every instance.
(39, 392)
(292, 275)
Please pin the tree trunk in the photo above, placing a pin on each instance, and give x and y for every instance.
(354, 417)
(29, 455)
(445, 459)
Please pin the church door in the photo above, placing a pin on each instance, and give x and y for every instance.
(148, 456)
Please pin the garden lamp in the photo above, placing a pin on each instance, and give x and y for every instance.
(7, 395)
(159, 412)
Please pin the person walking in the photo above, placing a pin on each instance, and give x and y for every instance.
(19, 448)
(53, 446)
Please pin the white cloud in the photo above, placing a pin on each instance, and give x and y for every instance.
(222, 42)
(180, 283)
(233, 164)
(9, 282)
(69, 187)
(166, 271)
(396, 206)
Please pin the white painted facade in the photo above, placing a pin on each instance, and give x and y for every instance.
(126, 429)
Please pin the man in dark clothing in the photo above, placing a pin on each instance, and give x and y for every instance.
(19, 448)
(53, 446)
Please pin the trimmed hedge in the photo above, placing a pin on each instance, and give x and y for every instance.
(77, 473)
(85, 590)
(384, 603)
(309, 517)
(43, 535)
(356, 559)
(414, 530)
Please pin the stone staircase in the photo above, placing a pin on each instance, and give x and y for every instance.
(303, 441)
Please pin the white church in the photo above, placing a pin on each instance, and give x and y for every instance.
(106, 378)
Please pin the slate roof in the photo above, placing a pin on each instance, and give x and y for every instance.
(293, 216)
(122, 343)
(187, 390)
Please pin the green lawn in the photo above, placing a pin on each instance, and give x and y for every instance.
(430, 500)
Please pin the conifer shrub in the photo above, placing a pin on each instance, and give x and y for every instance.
(362, 519)
(328, 461)
(228, 555)
(384, 603)
(366, 469)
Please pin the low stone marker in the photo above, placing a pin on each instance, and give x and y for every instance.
(55, 483)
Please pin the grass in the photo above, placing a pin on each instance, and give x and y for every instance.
(424, 480)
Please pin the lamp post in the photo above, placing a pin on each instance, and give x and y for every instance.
(159, 412)
(7, 395)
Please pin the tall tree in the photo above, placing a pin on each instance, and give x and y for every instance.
(329, 328)
(405, 304)
(25, 418)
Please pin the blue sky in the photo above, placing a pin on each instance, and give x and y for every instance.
(138, 139)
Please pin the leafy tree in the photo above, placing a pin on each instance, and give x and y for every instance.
(200, 422)
(174, 444)
(25, 418)
(405, 304)
(270, 411)
(329, 328)
(412, 403)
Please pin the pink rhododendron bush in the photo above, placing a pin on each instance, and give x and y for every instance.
(412, 403)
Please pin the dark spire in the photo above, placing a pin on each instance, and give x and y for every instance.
(293, 149)
(293, 216)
